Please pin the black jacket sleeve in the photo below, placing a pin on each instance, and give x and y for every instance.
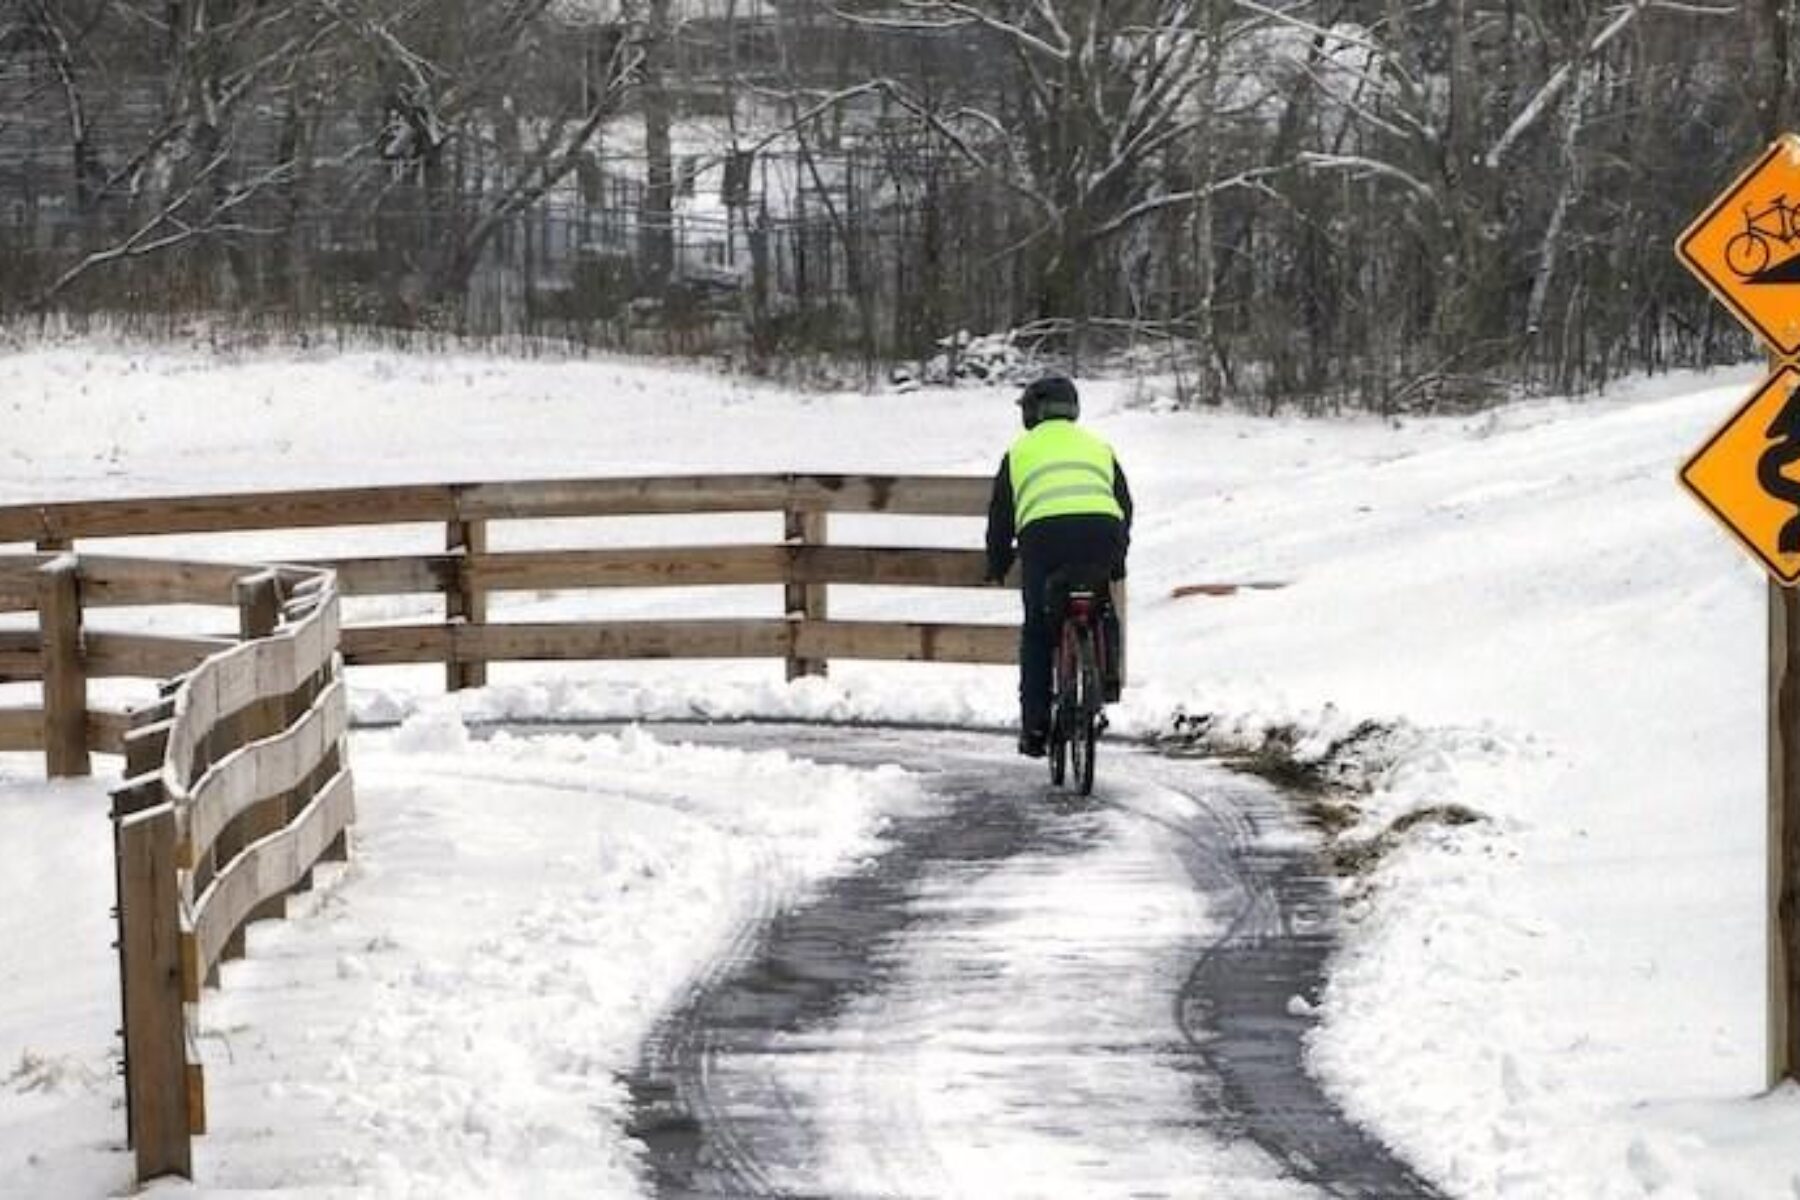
(1122, 493)
(1000, 523)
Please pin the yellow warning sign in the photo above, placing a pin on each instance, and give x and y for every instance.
(1748, 474)
(1746, 247)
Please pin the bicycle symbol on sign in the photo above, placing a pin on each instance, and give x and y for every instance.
(1748, 253)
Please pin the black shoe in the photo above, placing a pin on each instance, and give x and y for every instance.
(1032, 743)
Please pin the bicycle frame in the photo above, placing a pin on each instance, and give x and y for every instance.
(1779, 220)
(1083, 613)
(1078, 696)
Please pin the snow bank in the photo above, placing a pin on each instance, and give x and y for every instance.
(59, 990)
(451, 1014)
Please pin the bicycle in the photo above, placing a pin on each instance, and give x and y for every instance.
(1079, 671)
(1749, 252)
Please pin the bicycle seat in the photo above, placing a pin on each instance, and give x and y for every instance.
(1089, 581)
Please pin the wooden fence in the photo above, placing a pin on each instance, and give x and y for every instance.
(466, 573)
(236, 783)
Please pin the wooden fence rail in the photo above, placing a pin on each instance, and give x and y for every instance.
(465, 573)
(22, 655)
(21, 729)
(61, 525)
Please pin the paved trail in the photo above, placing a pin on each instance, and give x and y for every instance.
(1028, 995)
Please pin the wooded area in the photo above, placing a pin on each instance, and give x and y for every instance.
(1327, 201)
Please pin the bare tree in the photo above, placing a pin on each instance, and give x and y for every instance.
(1374, 201)
(1090, 99)
(56, 31)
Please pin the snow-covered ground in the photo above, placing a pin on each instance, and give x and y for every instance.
(450, 1014)
(1565, 999)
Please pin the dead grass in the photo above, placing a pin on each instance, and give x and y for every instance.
(1362, 857)
(1326, 787)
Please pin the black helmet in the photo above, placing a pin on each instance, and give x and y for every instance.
(1050, 398)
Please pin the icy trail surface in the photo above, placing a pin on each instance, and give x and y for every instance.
(1025, 994)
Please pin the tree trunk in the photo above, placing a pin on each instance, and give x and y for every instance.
(1567, 193)
(1772, 26)
(656, 236)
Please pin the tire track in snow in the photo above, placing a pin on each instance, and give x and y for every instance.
(791, 974)
(820, 1015)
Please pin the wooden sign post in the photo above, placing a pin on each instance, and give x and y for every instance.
(1748, 476)
(1784, 832)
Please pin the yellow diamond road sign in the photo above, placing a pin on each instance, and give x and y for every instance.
(1748, 475)
(1746, 247)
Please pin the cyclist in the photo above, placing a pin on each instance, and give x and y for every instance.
(1061, 495)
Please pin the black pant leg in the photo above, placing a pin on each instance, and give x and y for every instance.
(1034, 646)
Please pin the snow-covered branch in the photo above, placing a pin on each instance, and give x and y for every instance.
(1250, 179)
(1360, 165)
(1541, 102)
(150, 238)
(935, 15)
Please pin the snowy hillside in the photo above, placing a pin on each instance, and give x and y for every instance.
(1563, 998)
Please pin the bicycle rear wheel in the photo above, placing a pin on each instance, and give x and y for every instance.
(1062, 725)
(1082, 750)
(1084, 714)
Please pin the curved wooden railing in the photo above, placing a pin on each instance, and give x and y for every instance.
(237, 786)
(64, 652)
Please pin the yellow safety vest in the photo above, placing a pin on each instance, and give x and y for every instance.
(1059, 469)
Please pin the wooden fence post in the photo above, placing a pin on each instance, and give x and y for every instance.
(465, 602)
(259, 612)
(805, 601)
(146, 742)
(1784, 833)
(126, 801)
(157, 1076)
(258, 601)
(65, 680)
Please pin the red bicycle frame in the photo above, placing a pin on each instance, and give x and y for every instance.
(1082, 612)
